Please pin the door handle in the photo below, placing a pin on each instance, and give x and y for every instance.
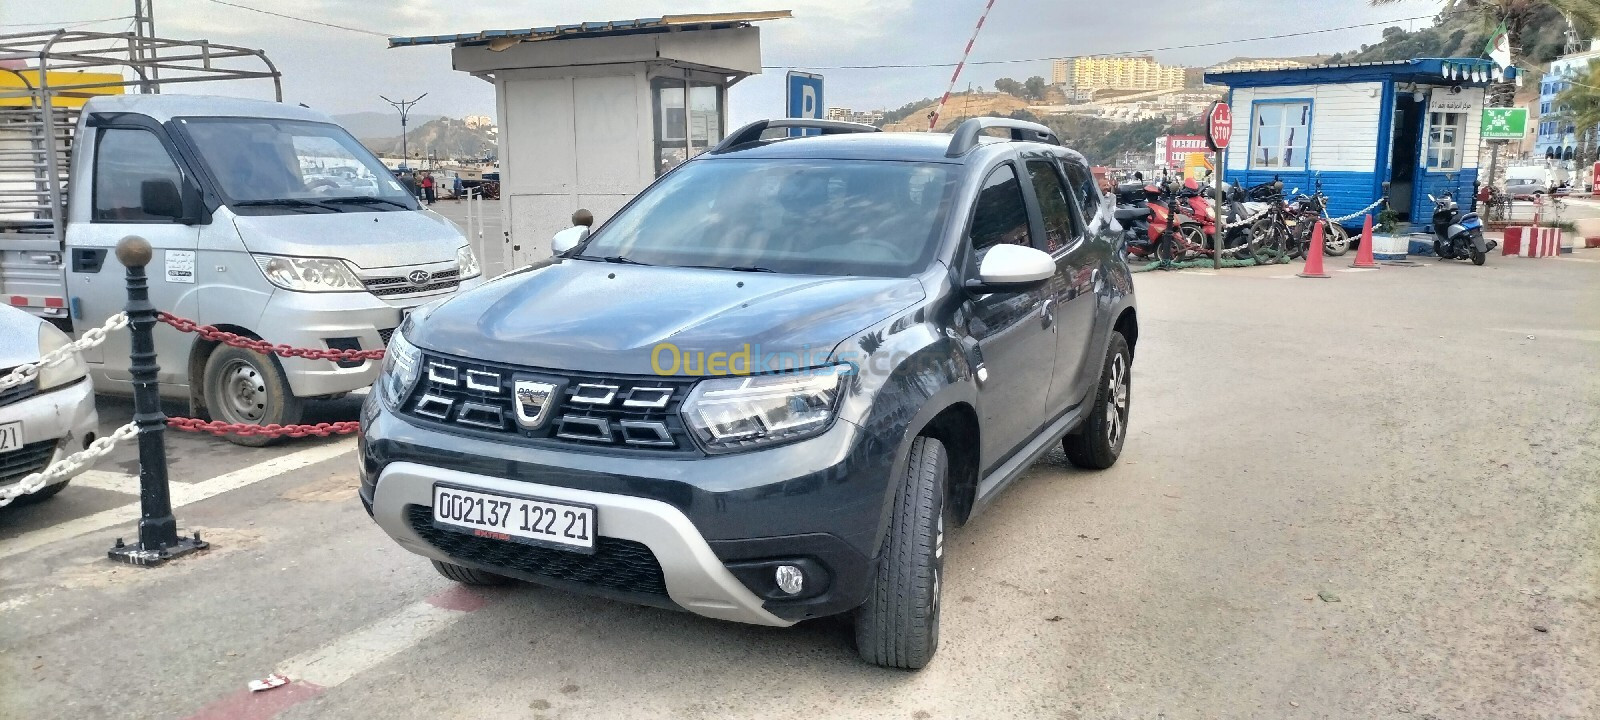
(1047, 314)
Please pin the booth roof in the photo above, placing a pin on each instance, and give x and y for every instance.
(1472, 72)
(665, 23)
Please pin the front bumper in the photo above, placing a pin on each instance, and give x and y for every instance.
(64, 416)
(317, 318)
(718, 525)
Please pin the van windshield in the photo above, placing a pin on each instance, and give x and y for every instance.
(806, 217)
(271, 165)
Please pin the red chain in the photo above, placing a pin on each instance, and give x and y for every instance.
(220, 428)
(261, 346)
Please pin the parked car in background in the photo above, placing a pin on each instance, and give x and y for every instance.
(45, 419)
(1525, 188)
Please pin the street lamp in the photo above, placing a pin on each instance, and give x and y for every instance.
(404, 106)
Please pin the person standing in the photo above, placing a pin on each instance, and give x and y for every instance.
(427, 188)
(457, 187)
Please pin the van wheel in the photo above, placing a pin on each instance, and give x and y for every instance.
(249, 388)
(898, 626)
(468, 576)
(1097, 443)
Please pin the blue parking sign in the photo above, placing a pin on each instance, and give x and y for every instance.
(805, 99)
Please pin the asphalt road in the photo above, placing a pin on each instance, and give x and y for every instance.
(1371, 496)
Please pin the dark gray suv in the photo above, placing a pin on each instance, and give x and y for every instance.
(762, 390)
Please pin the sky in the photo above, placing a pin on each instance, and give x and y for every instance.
(340, 71)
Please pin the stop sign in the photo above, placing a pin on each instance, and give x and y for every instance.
(1219, 125)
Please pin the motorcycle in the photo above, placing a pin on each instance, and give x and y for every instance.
(1457, 234)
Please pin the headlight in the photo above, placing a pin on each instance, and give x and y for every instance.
(69, 370)
(467, 262)
(737, 413)
(308, 274)
(402, 362)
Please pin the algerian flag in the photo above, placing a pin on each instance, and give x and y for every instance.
(1499, 47)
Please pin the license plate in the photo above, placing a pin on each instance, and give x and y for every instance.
(517, 519)
(10, 436)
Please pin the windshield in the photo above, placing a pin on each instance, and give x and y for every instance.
(804, 217)
(264, 163)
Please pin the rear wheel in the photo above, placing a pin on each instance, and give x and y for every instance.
(249, 388)
(898, 626)
(1097, 443)
(1164, 249)
(1337, 240)
(468, 576)
(1194, 239)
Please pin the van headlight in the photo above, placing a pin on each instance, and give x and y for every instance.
(468, 263)
(739, 413)
(402, 363)
(308, 274)
(69, 370)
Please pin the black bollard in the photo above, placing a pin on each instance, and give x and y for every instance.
(158, 529)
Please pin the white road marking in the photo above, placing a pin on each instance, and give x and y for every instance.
(182, 494)
(365, 648)
(102, 480)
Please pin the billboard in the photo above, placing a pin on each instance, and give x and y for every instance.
(1173, 151)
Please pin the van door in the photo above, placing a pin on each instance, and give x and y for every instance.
(135, 189)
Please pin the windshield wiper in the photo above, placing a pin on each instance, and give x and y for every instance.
(735, 268)
(355, 199)
(285, 202)
(620, 260)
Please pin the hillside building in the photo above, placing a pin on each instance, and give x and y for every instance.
(1115, 73)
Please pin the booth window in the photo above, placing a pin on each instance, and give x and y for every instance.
(1280, 131)
(1444, 140)
(685, 125)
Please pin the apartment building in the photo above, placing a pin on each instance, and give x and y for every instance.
(1115, 73)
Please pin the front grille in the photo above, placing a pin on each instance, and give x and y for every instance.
(31, 458)
(586, 409)
(384, 335)
(402, 285)
(616, 565)
(16, 393)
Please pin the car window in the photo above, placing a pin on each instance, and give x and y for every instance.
(798, 216)
(1084, 189)
(1001, 216)
(125, 159)
(1053, 205)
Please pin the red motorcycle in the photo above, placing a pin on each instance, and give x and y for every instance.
(1167, 235)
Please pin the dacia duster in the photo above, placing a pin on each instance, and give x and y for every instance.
(764, 388)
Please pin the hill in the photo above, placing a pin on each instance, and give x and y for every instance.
(961, 106)
(1461, 35)
(380, 124)
(442, 137)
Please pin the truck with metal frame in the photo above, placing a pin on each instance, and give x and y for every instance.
(267, 219)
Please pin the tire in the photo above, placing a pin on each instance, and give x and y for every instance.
(1195, 238)
(1164, 250)
(1097, 443)
(1478, 257)
(246, 387)
(898, 626)
(44, 493)
(1439, 250)
(1337, 240)
(468, 576)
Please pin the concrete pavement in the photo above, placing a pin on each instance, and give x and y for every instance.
(1370, 496)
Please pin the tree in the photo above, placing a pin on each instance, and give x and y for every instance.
(1582, 98)
(1010, 87)
(1518, 15)
(1034, 88)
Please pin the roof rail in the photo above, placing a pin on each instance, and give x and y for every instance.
(967, 134)
(752, 132)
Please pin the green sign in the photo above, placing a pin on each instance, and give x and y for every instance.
(1504, 123)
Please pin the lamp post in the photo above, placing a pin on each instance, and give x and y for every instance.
(404, 106)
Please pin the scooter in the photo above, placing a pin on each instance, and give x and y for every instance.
(1458, 235)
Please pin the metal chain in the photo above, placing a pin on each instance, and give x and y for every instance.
(261, 346)
(1248, 220)
(72, 465)
(26, 373)
(1355, 214)
(220, 428)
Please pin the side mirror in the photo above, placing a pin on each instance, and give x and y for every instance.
(1012, 268)
(567, 239)
(1431, 198)
(159, 198)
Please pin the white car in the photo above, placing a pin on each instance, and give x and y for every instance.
(44, 420)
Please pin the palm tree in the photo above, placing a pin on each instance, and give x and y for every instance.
(1516, 14)
(1582, 100)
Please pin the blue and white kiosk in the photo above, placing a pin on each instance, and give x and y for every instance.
(1412, 123)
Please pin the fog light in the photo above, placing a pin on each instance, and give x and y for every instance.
(790, 579)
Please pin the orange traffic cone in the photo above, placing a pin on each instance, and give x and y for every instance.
(1364, 253)
(1313, 267)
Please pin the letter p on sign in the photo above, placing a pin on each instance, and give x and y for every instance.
(1219, 125)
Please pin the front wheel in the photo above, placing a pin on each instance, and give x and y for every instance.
(248, 388)
(1478, 256)
(1441, 250)
(898, 626)
(1337, 240)
(1097, 443)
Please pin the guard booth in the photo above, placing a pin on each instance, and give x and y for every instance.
(1412, 123)
(592, 113)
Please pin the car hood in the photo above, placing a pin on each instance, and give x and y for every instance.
(368, 239)
(600, 317)
(19, 337)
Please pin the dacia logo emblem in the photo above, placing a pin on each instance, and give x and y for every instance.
(533, 402)
(419, 277)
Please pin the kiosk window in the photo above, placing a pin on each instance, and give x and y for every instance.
(1279, 132)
